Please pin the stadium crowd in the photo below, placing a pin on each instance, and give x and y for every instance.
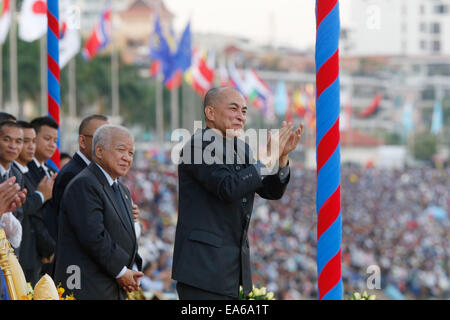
(385, 224)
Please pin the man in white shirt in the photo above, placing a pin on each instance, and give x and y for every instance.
(96, 230)
(37, 244)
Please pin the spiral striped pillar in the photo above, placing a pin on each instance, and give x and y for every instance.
(328, 197)
(54, 91)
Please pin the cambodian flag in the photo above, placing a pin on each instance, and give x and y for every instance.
(100, 36)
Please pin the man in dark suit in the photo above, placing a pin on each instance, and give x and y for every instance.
(96, 230)
(46, 143)
(11, 141)
(37, 245)
(80, 160)
(211, 255)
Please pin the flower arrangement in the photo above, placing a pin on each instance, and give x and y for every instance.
(358, 296)
(256, 294)
(61, 290)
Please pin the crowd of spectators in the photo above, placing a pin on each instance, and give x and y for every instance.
(385, 224)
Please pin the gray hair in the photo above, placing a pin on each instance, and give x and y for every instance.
(103, 136)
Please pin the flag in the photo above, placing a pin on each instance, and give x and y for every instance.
(100, 35)
(69, 37)
(5, 19)
(297, 103)
(437, 121)
(236, 80)
(180, 61)
(201, 74)
(372, 107)
(33, 20)
(281, 99)
(159, 50)
(407, 119)
(224, 80)
(258, 91)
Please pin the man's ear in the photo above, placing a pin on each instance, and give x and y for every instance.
(209, 113)
(99, 152)
(82, 142)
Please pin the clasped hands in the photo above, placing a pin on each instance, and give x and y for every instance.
(130, 281)
(11, 197)
(280, 145)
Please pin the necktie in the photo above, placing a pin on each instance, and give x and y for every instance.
(118, 195)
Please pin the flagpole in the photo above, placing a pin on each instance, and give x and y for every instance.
(159, 109)
(43, 66)
(114, 72)
(1, 76)
(72, 89)
(13, 61)
(174, 111)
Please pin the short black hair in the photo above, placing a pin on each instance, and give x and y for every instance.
(9, 124)
(64, 155)
(88, 119)
(38, 123)
(4, 116)
(24, 124)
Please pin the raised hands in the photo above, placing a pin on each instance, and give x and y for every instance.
(11, 197)
(280, 145)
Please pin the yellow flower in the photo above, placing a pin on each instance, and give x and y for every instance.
(263, 291)
(270, 296)
(256, 291)
(250, 294)
(357, 296)
(372, 297)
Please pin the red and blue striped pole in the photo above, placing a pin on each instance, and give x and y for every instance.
(328, 197)
(54, 91)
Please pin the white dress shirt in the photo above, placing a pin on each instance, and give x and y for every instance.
(24, 169)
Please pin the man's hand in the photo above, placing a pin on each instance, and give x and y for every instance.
(130, 281)
(136, 212)
(277, 144)
(11, 198)
(48, 260)
(46, 187)
(291, 144)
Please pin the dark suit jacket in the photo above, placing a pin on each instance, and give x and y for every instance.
(215, 205)
(50, 221)
(36, 240)
(67, 173)
(95, 236)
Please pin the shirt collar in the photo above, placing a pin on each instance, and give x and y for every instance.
(3, 170)
(108, 177)
(23, 169)
(82, 156)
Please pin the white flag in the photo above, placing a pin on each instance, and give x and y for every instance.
(5, 19)
(69, 37)
(33, 20)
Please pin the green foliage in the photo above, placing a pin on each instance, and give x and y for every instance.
(425, 145)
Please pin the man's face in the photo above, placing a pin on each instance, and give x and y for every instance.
(230, 113)
(29, 145)
(46, 140)
(85, 138)
(11, 142)
(118, 158)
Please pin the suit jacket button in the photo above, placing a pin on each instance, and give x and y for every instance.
(244, 200)
(238, 168)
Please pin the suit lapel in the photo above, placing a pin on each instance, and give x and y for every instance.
(127, 202)
(112, 197)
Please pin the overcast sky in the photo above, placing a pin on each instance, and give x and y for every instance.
(289, 22)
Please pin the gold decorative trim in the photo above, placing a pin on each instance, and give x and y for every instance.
(5, 251)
